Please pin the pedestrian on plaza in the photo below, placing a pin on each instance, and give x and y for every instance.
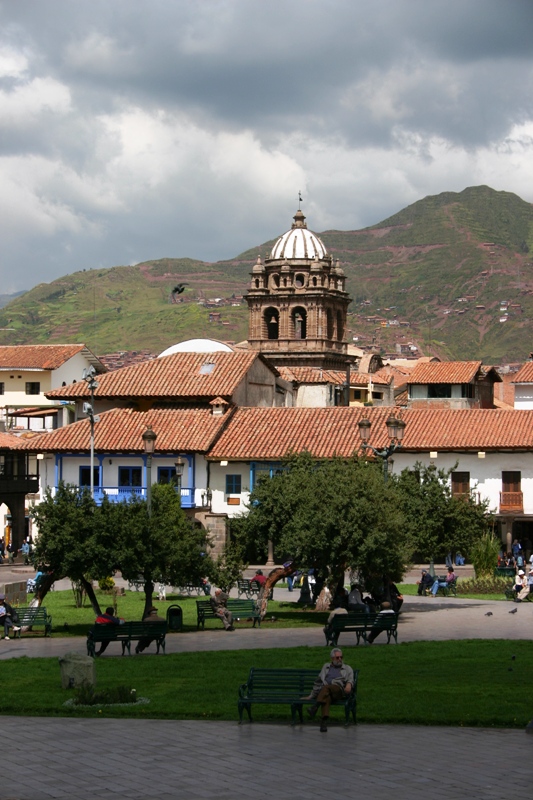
(425, 583)
(107, 619)
(442, 584)
(385, 611)
(8, 616)
(151, 616)
(335, 682)
(219, 604)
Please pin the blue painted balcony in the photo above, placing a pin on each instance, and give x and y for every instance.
(119, 494)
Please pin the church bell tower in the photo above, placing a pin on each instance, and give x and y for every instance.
(298, 304)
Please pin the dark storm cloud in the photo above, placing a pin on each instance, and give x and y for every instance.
(108, 109)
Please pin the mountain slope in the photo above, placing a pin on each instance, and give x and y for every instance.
(452, 266)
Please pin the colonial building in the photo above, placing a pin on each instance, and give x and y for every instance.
(452, 384)
(298, 303)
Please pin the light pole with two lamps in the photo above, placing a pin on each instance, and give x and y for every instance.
(149, 437)
(395, 431)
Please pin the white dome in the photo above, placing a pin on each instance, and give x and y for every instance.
(197, 346)
(298, 242)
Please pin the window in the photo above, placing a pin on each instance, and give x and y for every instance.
(85, 476)
(33, 387)
(2, 388)
(130, 476)
(460, 483)
(233, 484)
(511, 481)
(166, 474)
(436, 390)
(468, 390)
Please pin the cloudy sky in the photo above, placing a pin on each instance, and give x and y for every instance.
(137, 129)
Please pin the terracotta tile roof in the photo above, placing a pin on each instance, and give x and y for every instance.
(9, 442)
(525, 374)
(336, 377)
(269, 433)
(38, 356)
(445, 372)
(179, 375)
(120, 430)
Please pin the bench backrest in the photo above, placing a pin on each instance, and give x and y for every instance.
(352, 618)
(32, 614)
(290, 682)
(235, 606)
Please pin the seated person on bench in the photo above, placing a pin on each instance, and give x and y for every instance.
(107, 619)
(334, 682)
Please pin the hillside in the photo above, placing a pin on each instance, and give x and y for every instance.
(451, 273)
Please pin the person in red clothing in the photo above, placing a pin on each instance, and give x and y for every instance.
(107, 619)
(259, 577)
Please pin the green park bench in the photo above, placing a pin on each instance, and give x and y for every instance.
(361, 623)
(288, 687)
(248, 587)
(33, 617)
(245, 609)
(126, 634)
(449, 589)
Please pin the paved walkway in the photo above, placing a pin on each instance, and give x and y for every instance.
(159, 758)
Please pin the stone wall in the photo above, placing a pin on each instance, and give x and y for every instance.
(15, 593)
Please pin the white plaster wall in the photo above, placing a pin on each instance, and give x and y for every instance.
(523, 396)
(70, 371)
(485, 473)
(315, 395)
(15, 387)
(219, 504)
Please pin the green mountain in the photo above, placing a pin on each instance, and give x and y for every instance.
(442, 273)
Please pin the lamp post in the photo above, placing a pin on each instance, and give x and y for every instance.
(395, 431)
(88, 408)
(179, 467)
(149, 437)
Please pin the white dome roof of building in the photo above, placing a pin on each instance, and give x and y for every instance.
(298, 242)
(197, 346)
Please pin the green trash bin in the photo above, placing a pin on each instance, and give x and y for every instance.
(175, 618)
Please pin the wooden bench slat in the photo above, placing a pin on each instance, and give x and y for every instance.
(33, 616)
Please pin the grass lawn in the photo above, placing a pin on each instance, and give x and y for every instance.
(130, 606)
(470, 683)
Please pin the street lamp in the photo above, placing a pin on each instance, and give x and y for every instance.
(395, 431)
(88, 408)
(149, 437)
(179, 466)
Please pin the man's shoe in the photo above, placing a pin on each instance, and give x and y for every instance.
(6, 637)
(312, 711)
(324, 725)
(137, 650)
(231, 628)
(16, 627)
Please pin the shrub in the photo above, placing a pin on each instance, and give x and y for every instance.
(484, 555)
(106, 584)
(483, 585)
(86, 695)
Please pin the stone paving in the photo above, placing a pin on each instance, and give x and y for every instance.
(141, 759)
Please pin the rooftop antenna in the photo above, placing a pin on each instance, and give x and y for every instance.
(300, 198)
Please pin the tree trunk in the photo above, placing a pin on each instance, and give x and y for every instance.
(272, 578)
(87, 585)
(45, 584)
(148, 595)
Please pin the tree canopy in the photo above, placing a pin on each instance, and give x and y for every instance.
(83, 541)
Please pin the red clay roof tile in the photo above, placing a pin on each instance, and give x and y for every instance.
(37, 356)
(174, 376)
(445, 372)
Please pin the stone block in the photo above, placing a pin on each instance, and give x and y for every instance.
(76, 669)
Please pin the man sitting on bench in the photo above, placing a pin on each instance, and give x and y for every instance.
(218, 604)
(107, 619)
(334, 682)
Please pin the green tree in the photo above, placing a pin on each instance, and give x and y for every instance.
(161, 546)
(437, 521)
(331, 515)
(68, 545)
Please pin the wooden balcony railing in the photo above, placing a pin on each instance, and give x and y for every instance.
(511, 503)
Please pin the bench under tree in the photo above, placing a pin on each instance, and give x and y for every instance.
(33, 617)
(241, 609)
(126, 634)
(361, 623)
